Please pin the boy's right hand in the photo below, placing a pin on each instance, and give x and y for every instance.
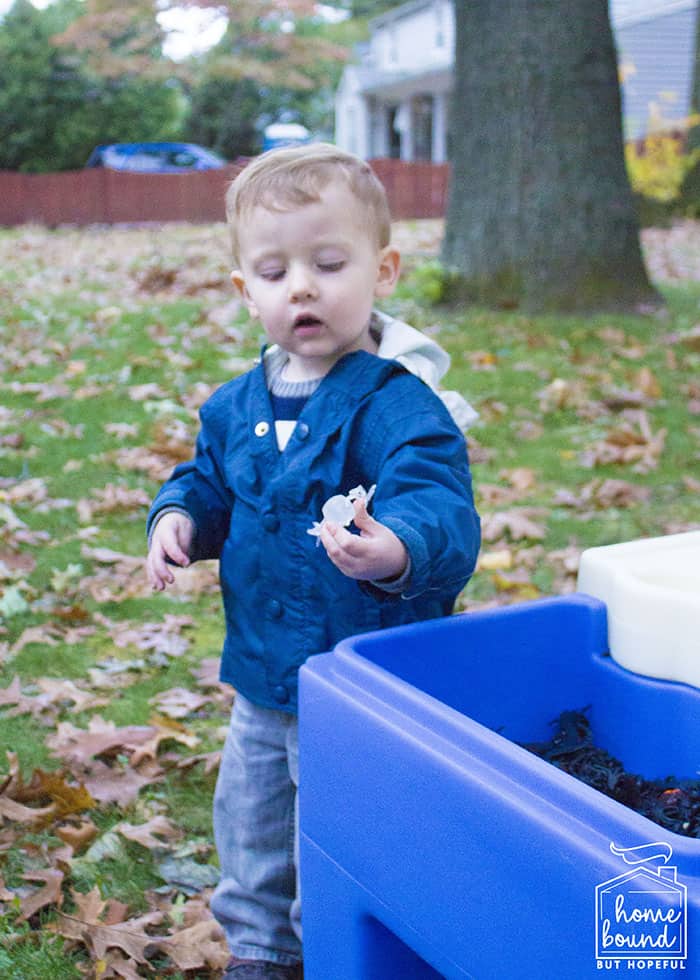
(172, 537)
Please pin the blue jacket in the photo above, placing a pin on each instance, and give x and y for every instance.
(369, 422)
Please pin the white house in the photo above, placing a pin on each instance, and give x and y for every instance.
(393, 101)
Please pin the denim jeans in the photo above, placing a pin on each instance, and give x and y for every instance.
(257, 837)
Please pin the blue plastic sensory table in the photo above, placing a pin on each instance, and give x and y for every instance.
(434, 845)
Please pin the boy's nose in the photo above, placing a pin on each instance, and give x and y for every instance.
(302, 284)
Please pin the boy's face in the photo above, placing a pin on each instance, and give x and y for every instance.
(311, 275)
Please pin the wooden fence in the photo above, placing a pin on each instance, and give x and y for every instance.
(100, 196)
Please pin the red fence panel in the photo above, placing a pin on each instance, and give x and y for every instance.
(415, 190)
(101, 196)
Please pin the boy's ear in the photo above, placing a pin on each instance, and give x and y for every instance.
(239, 284)
(388, 271)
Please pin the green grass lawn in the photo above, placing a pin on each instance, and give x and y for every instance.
(589, 434)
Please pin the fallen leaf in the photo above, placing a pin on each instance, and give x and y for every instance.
(647, 383)
(178, 702)
(197, 947)
(101, 738)
(19, 813)
(145, 834)
(50, 894)
(109, 784)
(128, 936)
(492, 561)
(187, 874)
(516, 523)
(79, 835)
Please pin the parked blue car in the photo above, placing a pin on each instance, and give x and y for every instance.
(155, 158)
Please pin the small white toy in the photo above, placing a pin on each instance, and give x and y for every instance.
(339, 509)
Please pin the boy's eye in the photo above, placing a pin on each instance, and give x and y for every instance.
(331, 266)
(271, 275)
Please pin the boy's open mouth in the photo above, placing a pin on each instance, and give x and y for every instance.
(306, 321)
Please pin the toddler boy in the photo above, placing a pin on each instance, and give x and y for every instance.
(321, 416)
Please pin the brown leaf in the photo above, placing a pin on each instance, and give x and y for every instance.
(123, 577)
(207, 673)
(19, 813)
(14, 564)
(50, 894)
(631, 442)
(79, 835)
(110, 499)
(561, 394)
(128, 936)
(617, 399)
(66, 692)
(145, 834)
(101, 738)
(602, 494)
(164, 729)
(211, 760)
(647, 383)
(620, 493)
(164, 637)
(89, 905)
(66, 798)
(45, 635)
(118, 786)
(145, 392)
(197, 947)
(521, 478)
(5, 894)
(116, 964)
(516, 523)
(178, 702)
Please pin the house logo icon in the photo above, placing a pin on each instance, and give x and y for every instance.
(641, 914)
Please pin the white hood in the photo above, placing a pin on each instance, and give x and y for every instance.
(418, 354)
(423, 357)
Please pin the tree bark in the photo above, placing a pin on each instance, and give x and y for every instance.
(694, 132)
(540, 213)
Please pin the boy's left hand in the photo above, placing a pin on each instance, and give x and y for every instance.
(376, 553)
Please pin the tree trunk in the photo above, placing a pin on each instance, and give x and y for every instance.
(540, 214)
(694, 133)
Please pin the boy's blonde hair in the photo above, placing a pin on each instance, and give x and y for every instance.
(294, 176)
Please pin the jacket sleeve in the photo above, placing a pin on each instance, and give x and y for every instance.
(198, 487)
(424, 492)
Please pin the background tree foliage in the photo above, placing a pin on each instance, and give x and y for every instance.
(83, 72)
(54, 109)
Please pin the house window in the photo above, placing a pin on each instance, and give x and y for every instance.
(439, 26)
(393, 45)
(394, 134)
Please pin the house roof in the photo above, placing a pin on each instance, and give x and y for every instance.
(390, 83)
(624, 13)
(396, 13)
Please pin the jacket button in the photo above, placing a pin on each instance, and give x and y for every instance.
(270, 521)
(274, 608)
(302, 430)
(262, 429)
(280, 694)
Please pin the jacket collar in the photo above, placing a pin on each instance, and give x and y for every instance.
(350, 381)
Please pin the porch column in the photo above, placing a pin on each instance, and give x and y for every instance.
(439, 127)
